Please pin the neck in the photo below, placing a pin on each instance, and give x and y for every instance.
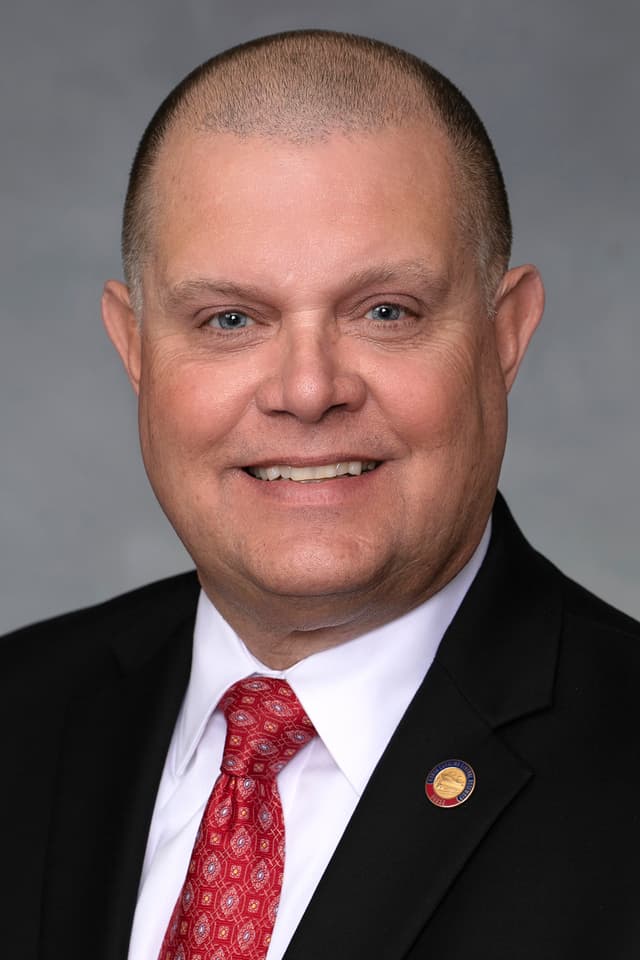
(280, 631)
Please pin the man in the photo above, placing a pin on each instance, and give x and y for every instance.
(322, 329)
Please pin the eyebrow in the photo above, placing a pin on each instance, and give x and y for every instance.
(194, 289)
(398, 272)
(417, 271)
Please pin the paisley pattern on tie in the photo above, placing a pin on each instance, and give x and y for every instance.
(227, 907)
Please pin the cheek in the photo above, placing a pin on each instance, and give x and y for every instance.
(432, 397)
(188, 407)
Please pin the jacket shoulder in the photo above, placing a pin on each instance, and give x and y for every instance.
(593, 613)
(70, 639)
(599, 661)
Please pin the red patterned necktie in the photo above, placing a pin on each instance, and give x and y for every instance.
(227, 907)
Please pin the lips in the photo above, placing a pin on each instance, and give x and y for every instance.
(314, 472)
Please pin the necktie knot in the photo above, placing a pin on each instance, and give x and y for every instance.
(266, 727)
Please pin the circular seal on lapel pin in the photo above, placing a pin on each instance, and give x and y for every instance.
(450, 783)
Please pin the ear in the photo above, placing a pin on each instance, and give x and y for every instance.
(123, 328)
(518, 310)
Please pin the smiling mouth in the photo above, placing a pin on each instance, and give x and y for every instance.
(313, 474)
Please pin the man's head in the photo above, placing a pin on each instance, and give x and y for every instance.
(311, 240)
(303, 86)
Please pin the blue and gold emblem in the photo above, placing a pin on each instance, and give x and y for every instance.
(450, 783)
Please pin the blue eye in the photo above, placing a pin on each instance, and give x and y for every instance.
(386, 312)
(230, 320)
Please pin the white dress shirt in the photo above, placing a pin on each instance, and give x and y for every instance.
(355, 695)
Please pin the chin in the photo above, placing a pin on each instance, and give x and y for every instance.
(315, 573)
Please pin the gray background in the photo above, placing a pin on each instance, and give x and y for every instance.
(557, 84)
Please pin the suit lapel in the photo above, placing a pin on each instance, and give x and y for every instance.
(400, 853)
(114, 746)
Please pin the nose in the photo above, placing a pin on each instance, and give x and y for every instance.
(310, 374)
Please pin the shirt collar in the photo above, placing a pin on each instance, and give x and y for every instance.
(354, 693)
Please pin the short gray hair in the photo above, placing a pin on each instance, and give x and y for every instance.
(303, 85)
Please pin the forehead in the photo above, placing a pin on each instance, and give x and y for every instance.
(271, 204)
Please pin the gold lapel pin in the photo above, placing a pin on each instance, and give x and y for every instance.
(450, 783)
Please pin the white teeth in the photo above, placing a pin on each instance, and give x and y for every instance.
(325, 471)
(305, 473)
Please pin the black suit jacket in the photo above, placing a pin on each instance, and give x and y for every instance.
(535, 685)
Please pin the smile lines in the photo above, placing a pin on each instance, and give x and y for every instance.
(325, 471)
